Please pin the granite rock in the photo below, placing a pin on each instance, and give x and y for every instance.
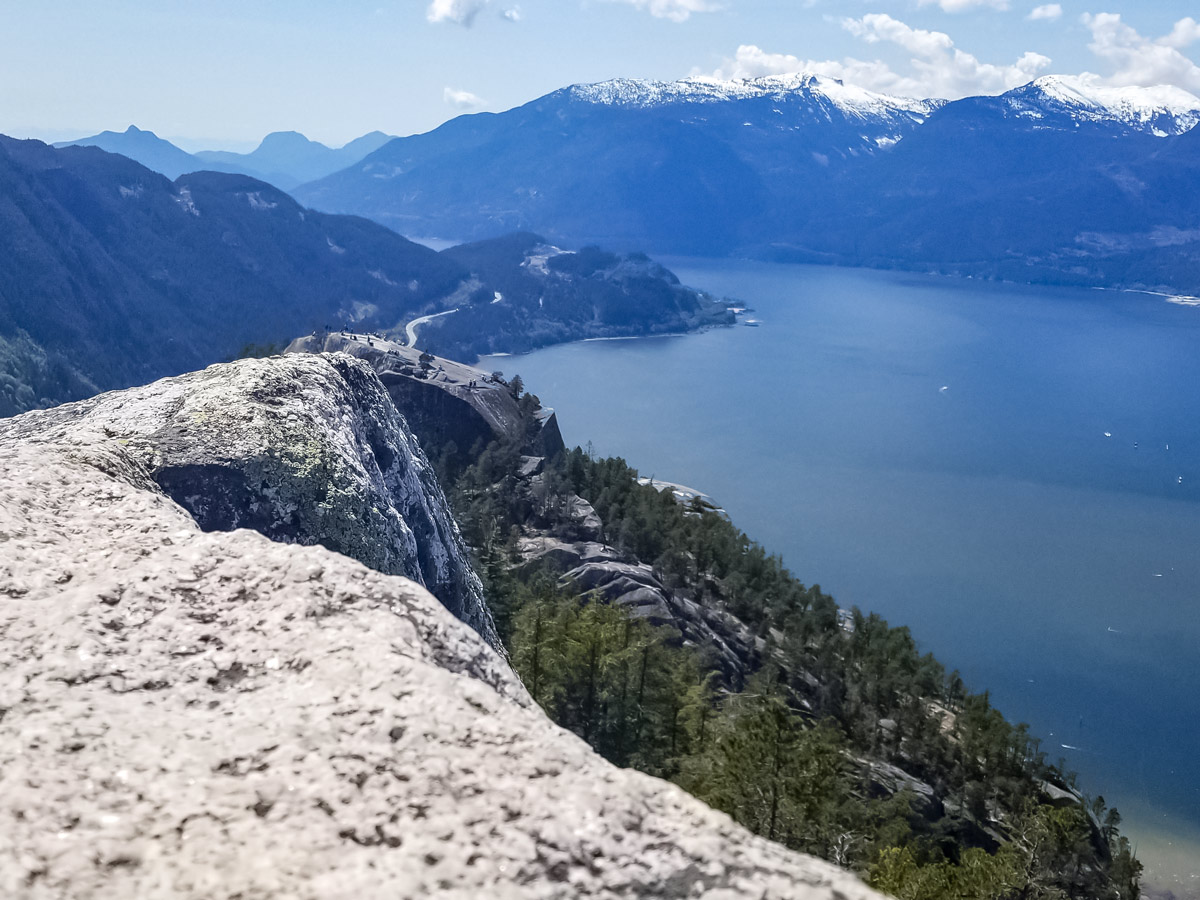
(192, 714)
(303, 449)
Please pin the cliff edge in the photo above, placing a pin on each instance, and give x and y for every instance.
(303, 449)
(193, 713)
(445, 401)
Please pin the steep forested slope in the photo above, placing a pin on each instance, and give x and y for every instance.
(114, 275)
(661, 634)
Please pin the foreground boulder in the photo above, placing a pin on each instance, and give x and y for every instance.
(303, 449)
(192, 714)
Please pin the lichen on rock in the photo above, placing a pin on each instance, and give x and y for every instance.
(303, 449)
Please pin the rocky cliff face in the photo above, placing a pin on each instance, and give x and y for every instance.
(567, 538)
(212, 714)
(303, 449)
(445, 400)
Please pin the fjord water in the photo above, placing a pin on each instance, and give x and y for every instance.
(935, 450)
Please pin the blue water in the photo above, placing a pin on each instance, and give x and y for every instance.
(934, 450)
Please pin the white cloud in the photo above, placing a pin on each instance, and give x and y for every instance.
(462, 99)
(1047, 13)
(956, 6)
(675, 10)
(936, 67)
(1186, 31)
(1139, 60)
(460, 12)
(754, 62)
(463, 12)
(878, 27)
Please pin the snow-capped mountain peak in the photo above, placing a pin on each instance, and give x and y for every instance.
(853, 101)
(1161, 110)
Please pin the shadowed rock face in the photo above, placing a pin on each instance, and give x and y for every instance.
(303, 449)
(192, 714)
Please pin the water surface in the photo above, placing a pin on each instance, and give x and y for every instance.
(935, 450)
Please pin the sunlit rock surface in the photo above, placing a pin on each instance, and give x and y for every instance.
(214, 715)
(304, 449)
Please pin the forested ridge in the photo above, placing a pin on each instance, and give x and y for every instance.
(838, 738)
(115, 276)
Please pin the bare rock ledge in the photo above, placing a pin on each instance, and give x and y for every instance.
(302, 449)
(216, 715)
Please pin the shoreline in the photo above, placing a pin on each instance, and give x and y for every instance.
(1169, 841)
(1168, 848)
(504, 354)
(1171, 295)
(1177, 299)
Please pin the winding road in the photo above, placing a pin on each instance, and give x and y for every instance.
(410, 330)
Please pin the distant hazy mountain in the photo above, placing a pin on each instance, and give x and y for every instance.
(287, 158)
(1063, 179)
(691, 165)
(146, 148)
(284, 159)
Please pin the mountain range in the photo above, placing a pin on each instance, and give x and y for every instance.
(115, 275)
(284, 159)
(1021, 187)
(1061, 179)
(287, 159)
(682, 165)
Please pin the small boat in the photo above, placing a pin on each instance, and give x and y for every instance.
(752, 323)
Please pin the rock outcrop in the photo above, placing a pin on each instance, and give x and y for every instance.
(604, 573)
(303, 449)
(212, 714)
(442, 399)
(631, 586)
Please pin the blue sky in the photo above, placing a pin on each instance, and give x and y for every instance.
(226, 72)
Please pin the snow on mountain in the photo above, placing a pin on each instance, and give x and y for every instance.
(1162, 110)
(852, 101)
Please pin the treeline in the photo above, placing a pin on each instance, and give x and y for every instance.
(846, 742)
